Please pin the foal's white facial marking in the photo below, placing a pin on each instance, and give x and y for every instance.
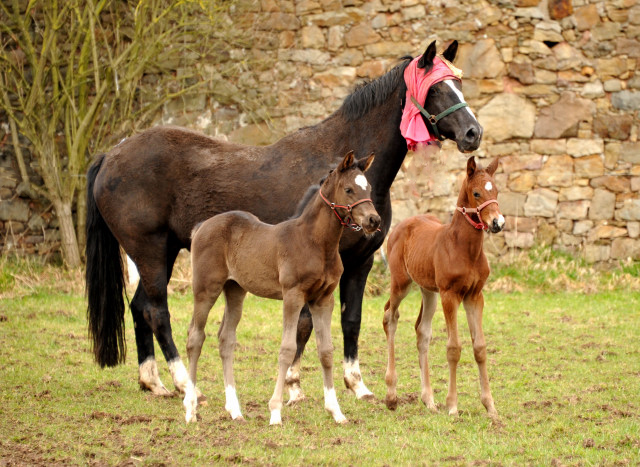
(449, 82)
(500, 220)
(361, 181)
(488, 186)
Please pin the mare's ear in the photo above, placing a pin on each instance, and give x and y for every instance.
(493, 167)
(364, 164)
(347, 162)
(452, 50)
(471, 167)
(426, 61)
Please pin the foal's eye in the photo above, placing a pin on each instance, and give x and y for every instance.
(476, 194)
(348, 191)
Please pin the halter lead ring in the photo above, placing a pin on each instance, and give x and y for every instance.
(433, 119)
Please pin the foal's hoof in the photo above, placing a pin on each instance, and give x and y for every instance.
(391, 403)
(240, 419)
(202, 400)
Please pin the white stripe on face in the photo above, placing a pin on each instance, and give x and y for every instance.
(449, 82)
(361, 181)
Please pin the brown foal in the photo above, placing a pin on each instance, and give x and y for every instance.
(446, 259)
(296, 261)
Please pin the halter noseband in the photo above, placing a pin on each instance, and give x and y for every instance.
(433, 119)
(347, 221)
(478, 225)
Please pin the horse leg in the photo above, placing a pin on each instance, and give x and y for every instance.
(352, 285)
(305, 326)
(321, 314)
(203, 299)
(293, 301)
(234, 297)
(148, 376)
(141, 307)
(450, 304)
(176, 367)
(473, 307)
(400, 282)
(423, 337)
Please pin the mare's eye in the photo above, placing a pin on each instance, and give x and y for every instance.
(476, 194)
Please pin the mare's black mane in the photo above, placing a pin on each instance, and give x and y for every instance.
(370, 94)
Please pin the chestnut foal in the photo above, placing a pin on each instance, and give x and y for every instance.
(296, 261)
(446, 259)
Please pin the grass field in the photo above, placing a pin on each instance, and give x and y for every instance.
(564, 364)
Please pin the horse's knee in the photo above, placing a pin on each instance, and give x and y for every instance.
(195, 339)
(287, 352)
(480, 353)
(326, 356)
(453, 353)
(226, 346)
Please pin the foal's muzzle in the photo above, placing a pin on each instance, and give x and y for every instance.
(496, 226)
(371, 223)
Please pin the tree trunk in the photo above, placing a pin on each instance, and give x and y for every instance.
(81, 216)
(70, 251)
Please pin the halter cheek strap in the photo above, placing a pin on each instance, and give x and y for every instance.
(346, 221)
(433, 119)
(478, 225)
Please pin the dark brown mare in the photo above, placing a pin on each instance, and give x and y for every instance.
(149, 191)
(296, 261)
(446, 259)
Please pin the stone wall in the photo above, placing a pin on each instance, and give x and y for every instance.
(553, 82)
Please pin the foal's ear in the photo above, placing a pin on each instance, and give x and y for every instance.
(452, 50)
(426, 61)
(364, 164)
(493, 167)
(347, 162)
(471, 167)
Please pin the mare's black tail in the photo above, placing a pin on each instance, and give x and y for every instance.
(104, 282)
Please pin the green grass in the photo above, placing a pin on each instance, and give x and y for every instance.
(563, 366)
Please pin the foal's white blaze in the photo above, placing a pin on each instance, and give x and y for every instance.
(449, 82)
(488, 186)
(232, 405)
(332, 406)
(500, 220)
(353, 378)
(361, 181)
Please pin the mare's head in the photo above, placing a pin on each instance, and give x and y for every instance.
(482, 194)
(347, 191)
(459, 125)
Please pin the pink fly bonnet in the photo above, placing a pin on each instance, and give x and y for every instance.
(418, 83)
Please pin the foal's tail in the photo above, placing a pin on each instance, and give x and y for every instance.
(104, 283)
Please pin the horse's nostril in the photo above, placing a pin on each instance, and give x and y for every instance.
(472, 134)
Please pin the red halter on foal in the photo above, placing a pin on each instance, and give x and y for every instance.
(347, 222)
(478, 225)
